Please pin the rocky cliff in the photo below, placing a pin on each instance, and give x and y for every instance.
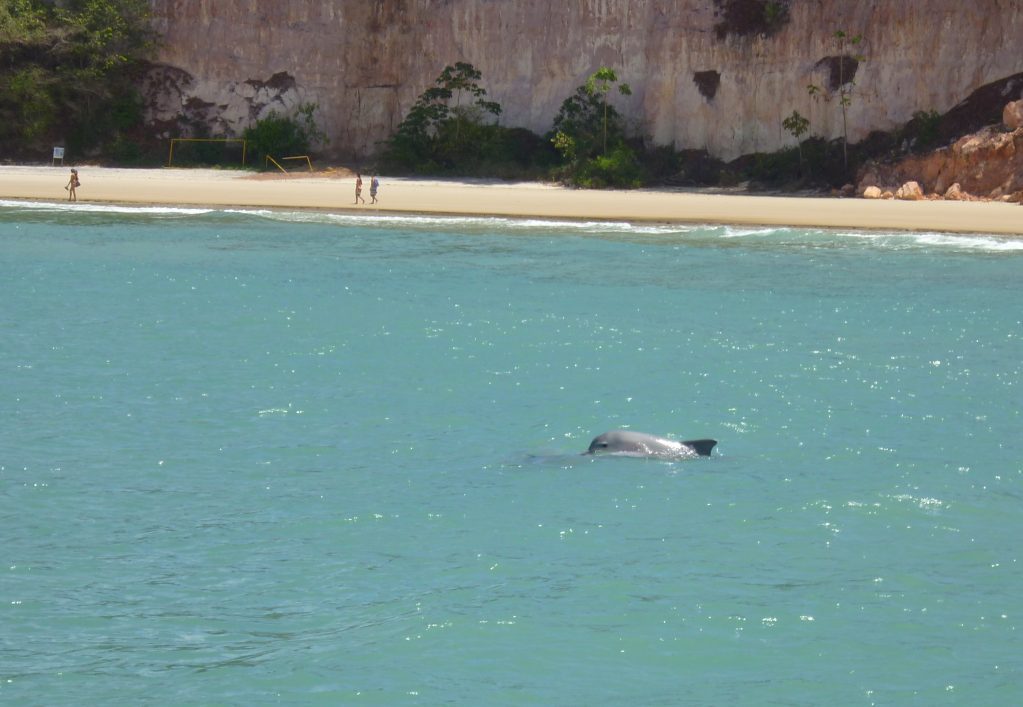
(718, 75)
(986, 164)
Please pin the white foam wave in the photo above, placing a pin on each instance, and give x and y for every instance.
(81, 206)
(744, 232)
(978, 242)
(883, 240)
(473, 222)
(919, 239)
(513, 225)
(365, 220)
(895, 240)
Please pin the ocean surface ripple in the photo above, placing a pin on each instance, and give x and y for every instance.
(253, 457)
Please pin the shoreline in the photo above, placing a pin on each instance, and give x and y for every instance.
(333, 191)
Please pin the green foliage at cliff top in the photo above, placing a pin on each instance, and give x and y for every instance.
(65, 71)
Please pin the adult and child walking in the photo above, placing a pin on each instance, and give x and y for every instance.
(374, 186)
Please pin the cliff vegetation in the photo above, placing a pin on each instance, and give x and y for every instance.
(67, 74)
(453, 130)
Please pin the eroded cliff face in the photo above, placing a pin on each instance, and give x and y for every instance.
(695, 85)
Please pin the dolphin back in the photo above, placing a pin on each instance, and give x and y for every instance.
(630, 443)
(701, 446)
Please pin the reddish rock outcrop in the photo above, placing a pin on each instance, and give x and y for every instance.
(1012, 116)
(955, 193)
(910, 191)
(986, 164)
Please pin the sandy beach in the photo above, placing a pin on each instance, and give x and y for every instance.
(334, 191)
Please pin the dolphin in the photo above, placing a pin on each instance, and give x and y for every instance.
(627, 443)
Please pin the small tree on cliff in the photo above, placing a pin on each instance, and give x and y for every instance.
(797, 126)
(445, 124)
(458, 82)
(600, 84)
(845, 88)
(589, 133)
(841, 87)
(587, 120)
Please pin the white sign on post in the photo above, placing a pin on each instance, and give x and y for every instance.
(58, 154)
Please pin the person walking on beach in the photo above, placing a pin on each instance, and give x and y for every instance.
(72, 184)
(358, 189)
(374, 184)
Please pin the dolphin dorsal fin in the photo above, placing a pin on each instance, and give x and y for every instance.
(701, 446)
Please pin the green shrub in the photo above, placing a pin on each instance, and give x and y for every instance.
(619, 168)
(126, 152)
(660, 164)
(923, 129)
(283, 136)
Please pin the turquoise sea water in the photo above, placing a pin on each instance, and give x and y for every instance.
(296, 458)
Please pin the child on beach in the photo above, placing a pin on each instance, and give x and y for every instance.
(374, 184)
(358, 189)
(72, 184)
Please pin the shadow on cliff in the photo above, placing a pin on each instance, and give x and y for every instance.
(821, 166)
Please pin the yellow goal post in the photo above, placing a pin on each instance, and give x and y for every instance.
(301, 157)
(170, 155)
(278, 165)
